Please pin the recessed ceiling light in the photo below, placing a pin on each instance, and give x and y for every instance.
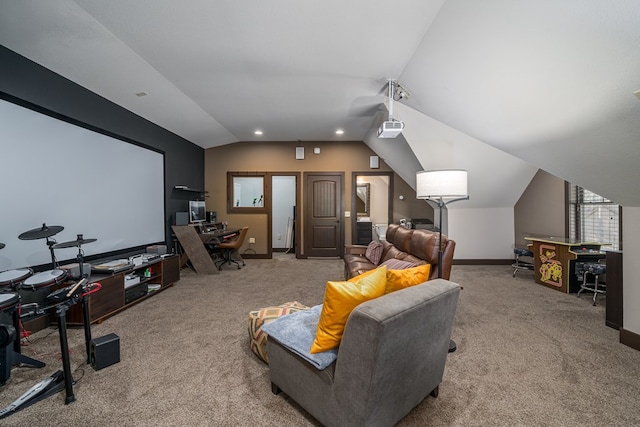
(339, 132)
(257, 132)
(142, 94)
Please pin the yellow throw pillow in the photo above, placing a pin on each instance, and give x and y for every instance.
(400, 279)
(340, 298)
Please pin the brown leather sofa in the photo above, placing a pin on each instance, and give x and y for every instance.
(417, 246)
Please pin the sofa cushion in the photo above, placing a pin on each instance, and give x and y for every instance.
(340, 298)
(415, 260)
(264, 316)
(402, 239)
(392, 253)
(424, 245)
(400, 279)
(398, 264)
(374, 252)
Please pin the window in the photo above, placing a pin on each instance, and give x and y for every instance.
(593, 217)
(246, 192)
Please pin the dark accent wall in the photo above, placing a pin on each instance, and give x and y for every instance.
(29, 81)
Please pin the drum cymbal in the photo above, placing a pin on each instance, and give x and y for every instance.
(72, 243)
(41, 233)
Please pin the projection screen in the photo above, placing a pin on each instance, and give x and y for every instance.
(60, 174)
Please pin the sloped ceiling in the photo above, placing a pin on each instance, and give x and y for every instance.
(550, 83)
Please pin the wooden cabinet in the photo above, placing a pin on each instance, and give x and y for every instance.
(614, 299)
(364, 232)
(115, 297)
(170, 271)
(107, 299)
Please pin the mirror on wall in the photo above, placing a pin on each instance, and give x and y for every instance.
(246, 192)
(363, 199)
(371, 200)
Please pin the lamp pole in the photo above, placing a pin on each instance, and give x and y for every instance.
(441, 205)
(436, 185)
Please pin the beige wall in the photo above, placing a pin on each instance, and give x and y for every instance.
(347, 157)
(409, 207)
(541, 208)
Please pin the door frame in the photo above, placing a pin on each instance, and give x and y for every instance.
(340, 206)
(354, 215)
(296, 223)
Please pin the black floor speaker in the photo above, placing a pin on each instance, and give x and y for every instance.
(104, 351)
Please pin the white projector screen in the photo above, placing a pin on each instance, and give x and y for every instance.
(57, 173)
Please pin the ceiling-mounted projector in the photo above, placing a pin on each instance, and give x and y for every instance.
(390, 129)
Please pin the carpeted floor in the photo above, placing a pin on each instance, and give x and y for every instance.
(527, 355)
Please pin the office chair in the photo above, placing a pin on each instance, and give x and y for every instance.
(228, 247)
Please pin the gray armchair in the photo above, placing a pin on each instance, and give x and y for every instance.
(392, 355)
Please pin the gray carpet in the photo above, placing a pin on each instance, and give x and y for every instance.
(527, 355)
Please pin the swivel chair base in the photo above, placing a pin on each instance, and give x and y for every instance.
(519, 264)
(227, 259)
(595, 269)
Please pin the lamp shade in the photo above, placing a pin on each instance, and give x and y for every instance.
(449, 183)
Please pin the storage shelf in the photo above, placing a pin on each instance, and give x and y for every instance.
(188, 189)
(114, 297)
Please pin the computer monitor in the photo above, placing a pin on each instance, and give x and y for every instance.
(196, 211)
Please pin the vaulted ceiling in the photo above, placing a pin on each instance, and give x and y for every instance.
(532, 83)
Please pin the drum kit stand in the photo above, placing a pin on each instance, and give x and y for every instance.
(60, 299)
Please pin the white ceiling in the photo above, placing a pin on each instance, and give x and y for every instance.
(549, 82)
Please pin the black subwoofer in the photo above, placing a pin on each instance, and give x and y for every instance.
(104, 351)
(7, 335)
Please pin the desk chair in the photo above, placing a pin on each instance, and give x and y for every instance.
(228, 247)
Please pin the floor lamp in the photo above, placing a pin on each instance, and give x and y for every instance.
(442, 187)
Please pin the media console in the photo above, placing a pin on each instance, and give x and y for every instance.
(116, 296)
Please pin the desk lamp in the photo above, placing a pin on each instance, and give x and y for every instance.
(442, 187)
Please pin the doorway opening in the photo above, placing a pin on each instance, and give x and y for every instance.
(284, 227)
(371, 206)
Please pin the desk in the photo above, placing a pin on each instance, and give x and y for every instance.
(212, 239)
(194, 246)
(555, 257)
(215, 237)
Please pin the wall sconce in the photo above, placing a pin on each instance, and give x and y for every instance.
(316, 150)
(299, 153)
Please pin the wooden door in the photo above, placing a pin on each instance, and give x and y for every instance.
(323, 224)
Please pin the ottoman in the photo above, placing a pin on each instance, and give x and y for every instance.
(259, 318)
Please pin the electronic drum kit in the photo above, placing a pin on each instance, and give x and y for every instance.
(24, 278)
(11, 281)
